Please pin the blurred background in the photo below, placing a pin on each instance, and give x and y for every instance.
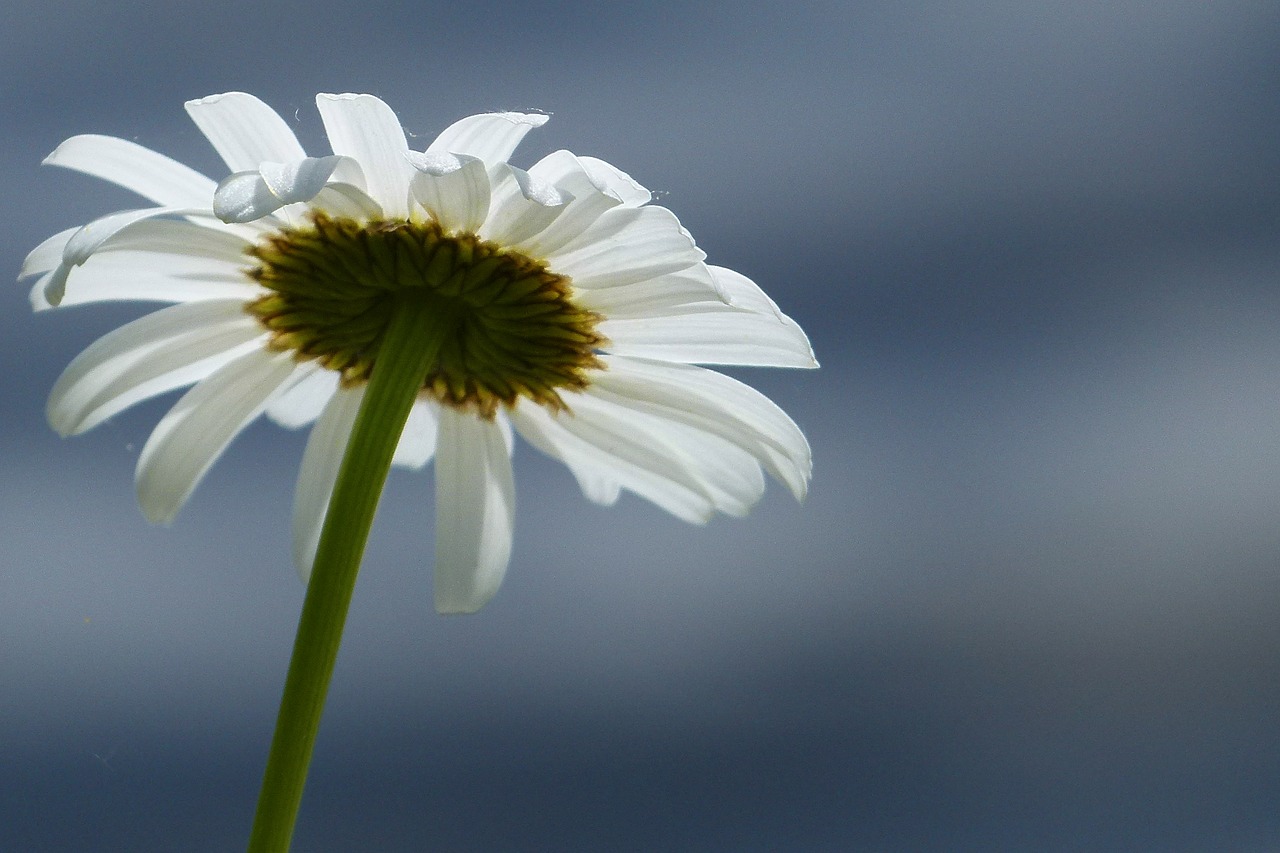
(1032, 601)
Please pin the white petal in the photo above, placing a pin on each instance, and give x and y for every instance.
(147, 173)
(616, 182)
(665, 295)
(521, 206)
(714, 403)
(653, 322)
(565, 171)
(199, 427)
(250, 195)
(120, 276)
(453, 189)
(318, 473)
(363, 127)
(181, 238)
(726, 472)
(91, 237)
(475, 511)
(244, 130)
(47, 255)
(627, 245)
(537, 427)
(599, 445)
(418, 440)
(492, 137)
(303, 401)
(164, 350)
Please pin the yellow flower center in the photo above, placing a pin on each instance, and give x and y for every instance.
(510, 327)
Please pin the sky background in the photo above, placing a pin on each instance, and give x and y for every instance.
(1032, 601)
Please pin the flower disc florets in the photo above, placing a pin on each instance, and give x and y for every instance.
(510, 327)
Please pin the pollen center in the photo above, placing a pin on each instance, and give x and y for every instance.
(510, 327)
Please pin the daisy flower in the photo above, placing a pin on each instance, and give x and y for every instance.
(555, 303)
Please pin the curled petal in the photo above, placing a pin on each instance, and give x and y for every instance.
(364, 128)
(521, 207)
(244, 131)
(454, 189)
(246, 196)
(491, 137)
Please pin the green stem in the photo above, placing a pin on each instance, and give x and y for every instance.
(409, 349)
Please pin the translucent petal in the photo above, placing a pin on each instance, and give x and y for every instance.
(199, 427)
(145, 276)
(616, 182)
(147, 173)
(304, 400)
(453, 189)
(475, 511)
(363, 127)
(418, 440)
(47, 255)
(714, 337)
(492, 137)
(665, 295)
(599, 446)
(246, 196)
(520, 207)
(318, 473)
(714, 403)
(91, 237)
(164, 350)
(244, 130)
(627, 245)
(590, 199)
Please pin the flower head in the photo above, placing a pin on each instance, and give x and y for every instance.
(566, 307)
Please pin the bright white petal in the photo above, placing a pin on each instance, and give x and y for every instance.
(181, 238)
(599, 446)
(418, 440)
(663, 296)
(303, 401)
(126, 276)
(538, 428)
(565, 171)
(147, 173)
(521, 206)
(492, 137)
(653, 319)
(627, 245)
(714, 403)
(475, 511)
(318, 473)
(616, 182)
(246, 196)
(47, 255)
(454, 189)
(244, 130)
(199, 427)
(363, 127)
(162, 351)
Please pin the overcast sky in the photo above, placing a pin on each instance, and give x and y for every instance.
(1031, 602)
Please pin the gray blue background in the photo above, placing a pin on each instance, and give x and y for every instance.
(1032, 602)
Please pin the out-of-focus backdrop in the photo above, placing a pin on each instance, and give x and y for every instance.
(1032, 602)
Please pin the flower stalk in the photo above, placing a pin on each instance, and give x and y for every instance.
(408, 351)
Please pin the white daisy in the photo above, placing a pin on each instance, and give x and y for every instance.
(573, 311)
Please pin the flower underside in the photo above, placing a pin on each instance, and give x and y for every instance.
(509, 327)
